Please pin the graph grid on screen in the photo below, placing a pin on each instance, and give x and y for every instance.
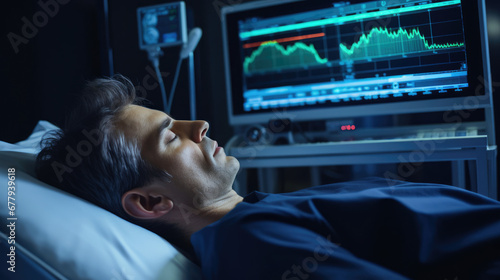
(353, 53)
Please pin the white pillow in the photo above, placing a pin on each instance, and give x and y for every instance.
(74, 237)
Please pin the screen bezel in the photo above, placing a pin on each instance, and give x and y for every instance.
(477, 56)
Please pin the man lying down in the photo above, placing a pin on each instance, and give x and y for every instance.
(166, 175)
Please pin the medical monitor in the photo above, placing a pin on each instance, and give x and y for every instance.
(162, 25)
(320, 60)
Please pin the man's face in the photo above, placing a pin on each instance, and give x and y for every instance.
(201, 171)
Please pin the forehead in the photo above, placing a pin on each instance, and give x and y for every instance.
(138, 122)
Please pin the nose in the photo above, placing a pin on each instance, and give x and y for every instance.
(194, 130)
(199, 130)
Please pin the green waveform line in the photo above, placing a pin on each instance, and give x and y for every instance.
(381, 42)
(271, 56)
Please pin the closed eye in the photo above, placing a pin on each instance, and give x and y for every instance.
(172, 139)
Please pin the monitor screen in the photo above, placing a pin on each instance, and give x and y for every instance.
(331, 59)
(162, 25)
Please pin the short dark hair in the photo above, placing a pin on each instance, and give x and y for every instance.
(92, 159)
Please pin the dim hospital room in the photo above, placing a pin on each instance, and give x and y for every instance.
(239, 139)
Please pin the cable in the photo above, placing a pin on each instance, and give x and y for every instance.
(174, 84)
(155, 53)
(154, 58)
(186, 50)
(156, 65)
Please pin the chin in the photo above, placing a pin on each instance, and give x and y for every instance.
(234, 164)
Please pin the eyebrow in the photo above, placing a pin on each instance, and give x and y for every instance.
(164, 125)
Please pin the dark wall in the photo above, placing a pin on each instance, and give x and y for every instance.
(46, 55)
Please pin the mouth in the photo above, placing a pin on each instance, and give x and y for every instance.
(216, 148)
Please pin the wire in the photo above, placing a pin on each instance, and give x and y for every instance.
(154, 55)
(156, 64)
(174, 84)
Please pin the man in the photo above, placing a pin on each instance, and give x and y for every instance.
(168, 176)
(143, 165)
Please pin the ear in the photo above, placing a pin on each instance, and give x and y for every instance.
(143, 203)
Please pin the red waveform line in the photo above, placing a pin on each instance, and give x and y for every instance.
(288, 39)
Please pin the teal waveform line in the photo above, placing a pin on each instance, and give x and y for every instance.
(273, 56)
(381, 42)
(348, 18)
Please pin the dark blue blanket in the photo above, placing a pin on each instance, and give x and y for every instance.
(370, 229)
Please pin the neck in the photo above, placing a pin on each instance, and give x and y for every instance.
(212, 212)
(193, 219)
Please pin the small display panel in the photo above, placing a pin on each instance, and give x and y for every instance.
(162, 25)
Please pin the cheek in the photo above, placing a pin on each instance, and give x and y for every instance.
(187, 162)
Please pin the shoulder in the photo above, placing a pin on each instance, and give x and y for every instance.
(252, 235)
